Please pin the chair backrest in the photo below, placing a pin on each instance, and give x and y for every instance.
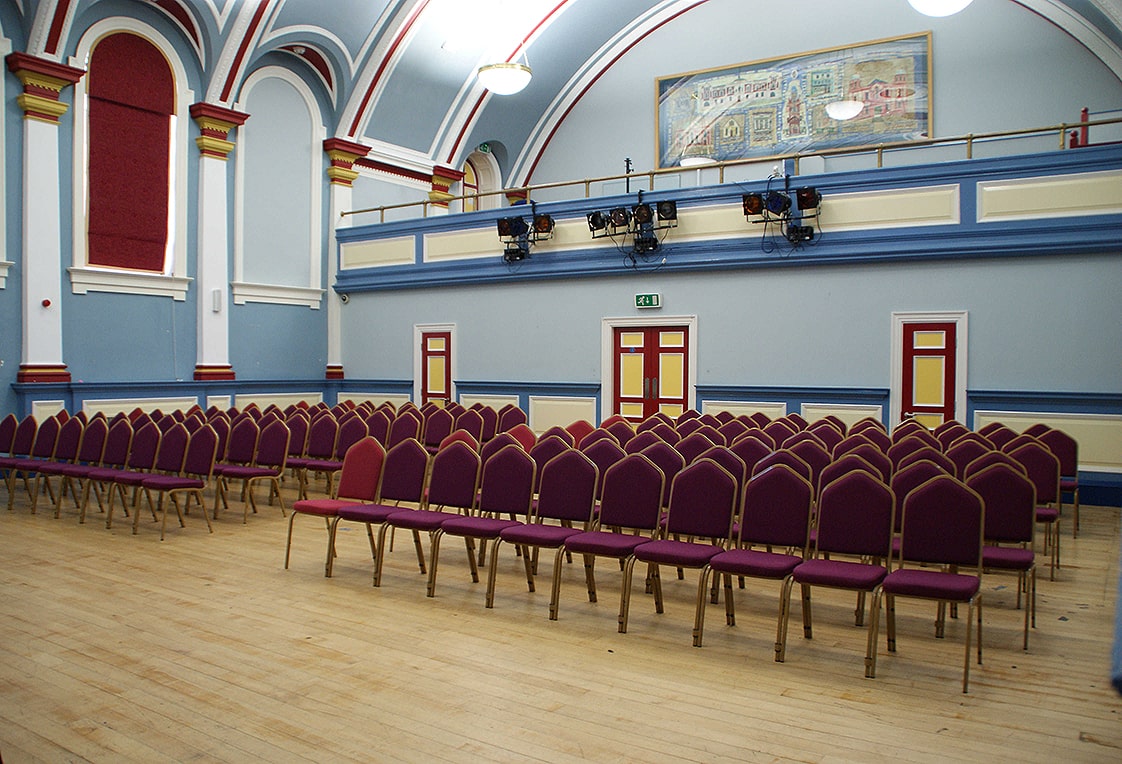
(814, 453)
(843, 464)
(988, 458)
(686, 416)
(850, 442)
(927, 453)
(709, 420)
(454, 477)
(524, 435)
(906, 429)
(800, 436)
(1012, 444)
(903, 447)
(173, 450)
(272, 449)
(560, 432)
(8, 427)
(145, 444)
(579, 429)
(689, 427)
(1010, 500)
(1066, 449)
(776, 509)
(667, 433)
(241, 447)
(118, 444)
(669, 461)
(780, 430)
(461, 435)
(404, 472)
(221, 427)
(783, 456)
(948, 431)
(910, 477)
(604, 453)
(877, 458)
(490, 421)
(1042, 468)
(632, 494)
(46, 438)
(998, 433)
(732, 463)
(711, 433)
(378, 425)
(622, 430)
(694, 445)
(298, 426)
(599, 434)
(702, 501)
(641, 441)
(943, 523)
(509, 416)
(731, 429)
(855, 516)
(751, 450)
(350, 432)
(543, 451)
(875, 434)
(759, 419)
(507, 485)
(404, 426)
(92, 448)
(654, 420)
(438, 426)
(361, 475)
(495, 444)
(965, 450)
(69, 440)
(567, 489)
(725, 416)
(202, 448)
(826, 431)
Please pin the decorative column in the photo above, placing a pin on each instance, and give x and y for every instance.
(213, 276)
(341, 174)
(41, 357)
(442, 179)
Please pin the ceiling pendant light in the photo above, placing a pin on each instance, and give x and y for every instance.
(504, 78)
(939, 7)
(843, 110)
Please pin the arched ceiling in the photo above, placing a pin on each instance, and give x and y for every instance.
(398, 75)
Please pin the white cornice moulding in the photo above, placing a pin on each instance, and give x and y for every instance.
(277, 294)
(83, 280)
(4, 266)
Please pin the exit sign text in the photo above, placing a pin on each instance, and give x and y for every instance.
(651, 300)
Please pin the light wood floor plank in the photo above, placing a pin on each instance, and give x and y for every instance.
(203, 648)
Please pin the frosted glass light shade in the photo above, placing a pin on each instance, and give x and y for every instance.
(504, 78)
(696, 161)
(843, 110)
(939, 7)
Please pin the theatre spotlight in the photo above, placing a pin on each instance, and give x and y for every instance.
(667, 210)
(753, 204)
(796, 234)
(511, 227)
(777, 202)
(619, 217)
(597, 221)
(516, 250)
(643, 213)
(543, 224)
(807, 198)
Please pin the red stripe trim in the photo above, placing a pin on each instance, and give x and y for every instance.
(232, 77)
(372, 164)
(55, 33)
(382, 66)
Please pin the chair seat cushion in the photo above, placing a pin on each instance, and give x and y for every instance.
(419, 519)
(375, 514)
(1068, 484)
(53, 468)
(76, 470)
(1047, 514)
(316, 465)
(477, 527)
(604, 543)
(932, 584)
(239, 472)
(1007, 557)
(842, 574)
(536, 534)
(681, 553)
(127, 477)
(320, 507)
(172, 483)
(755, 563)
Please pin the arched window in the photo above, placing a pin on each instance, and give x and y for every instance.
(481, 175)
(470, 187)
(131, 106)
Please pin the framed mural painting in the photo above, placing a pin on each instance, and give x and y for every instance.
(778, 106)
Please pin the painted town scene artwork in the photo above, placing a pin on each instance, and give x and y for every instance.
(779, 106)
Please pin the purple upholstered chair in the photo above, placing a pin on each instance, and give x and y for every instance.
(667, 459)
(579, 429)
(948, 432)
(453, 485)
(510, 415)
(780, 430)
(490, 422)
(875, 457)
(929, 454)
(854, 520)
(827, 432)
(566, 495)
(543, 451)
(472, 422)
(907, 429)
(268, 466)
(67, 443)
(965, 450)
(641, 441)
(437, 427)
(404, 426)
(604, 453)
(497, 443)
(751, 450)
(560, 432)
(783, 456)
(943, 525)
(42, 447)
(814, 453)
(89, 452)
(902, 448)
(1010, 500)
(775, 513)
(8, 427)
(732, 429)
(143, 450)
(702, 508)
(507, 489)
(358, 484)
(630, 508)
(987, 459)
(694, 445)
(1066, 449)
(190, 481)
(1043, 469)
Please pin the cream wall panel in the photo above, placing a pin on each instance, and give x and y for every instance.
(46, 409)
(549, 411)
(462, 245)
(111, 406)
(494, 401)
(222, 402)
(896, 208)
(380, 252)
(1099, 435)
(721, 222)
(375, 398)
(848, 413)
(745, 408)
(281, 400)
(1058, 196)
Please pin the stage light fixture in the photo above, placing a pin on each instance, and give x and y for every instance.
(511, 227)
(597, 221)
(620, 217)
(753, 204)
(777, 202)
(807, 198)
(643, 213)
(797, 234)
(543, 224)
(645, 244)
(516, 251)
(667, 210)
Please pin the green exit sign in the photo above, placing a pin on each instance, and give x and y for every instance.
(651, 300)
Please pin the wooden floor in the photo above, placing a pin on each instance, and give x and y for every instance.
(116, 647)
